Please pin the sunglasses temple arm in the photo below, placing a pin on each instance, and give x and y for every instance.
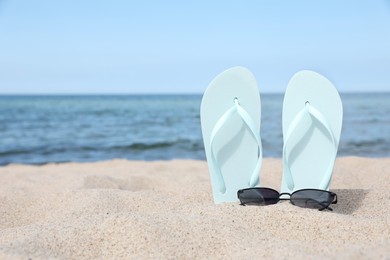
(324, 206)
(249, 201)
(333, 202)
(328, 208)
(335, 199)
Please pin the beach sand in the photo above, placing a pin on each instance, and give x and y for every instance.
(164, 209)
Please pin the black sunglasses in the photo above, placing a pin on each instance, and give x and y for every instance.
(306, 198)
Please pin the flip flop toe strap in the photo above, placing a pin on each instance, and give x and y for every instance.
(301, 119)
(246, 118)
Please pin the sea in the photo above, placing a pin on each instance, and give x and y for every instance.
(40, 129)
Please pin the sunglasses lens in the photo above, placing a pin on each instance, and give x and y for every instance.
(315, 199)
(258, 196)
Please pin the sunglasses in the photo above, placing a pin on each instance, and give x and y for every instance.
(305, 198)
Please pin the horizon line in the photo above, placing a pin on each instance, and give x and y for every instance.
(165, 93)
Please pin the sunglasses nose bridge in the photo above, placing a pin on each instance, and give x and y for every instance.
(282, 196)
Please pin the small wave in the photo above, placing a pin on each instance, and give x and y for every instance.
(145, 146)
(184, 143)
(373, 142)
(14, 152)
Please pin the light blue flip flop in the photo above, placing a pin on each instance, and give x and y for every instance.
(312, 121)
(230, 120)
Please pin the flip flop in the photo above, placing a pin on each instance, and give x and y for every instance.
(230, 119)
(312, 121)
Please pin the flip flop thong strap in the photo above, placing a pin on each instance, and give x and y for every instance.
(246, 118)
(315, 114)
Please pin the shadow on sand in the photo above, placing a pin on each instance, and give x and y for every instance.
(349, 200)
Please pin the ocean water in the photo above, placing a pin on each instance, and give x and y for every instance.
(42, 129)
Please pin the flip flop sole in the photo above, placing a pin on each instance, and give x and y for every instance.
(234, 146)
(313, 152)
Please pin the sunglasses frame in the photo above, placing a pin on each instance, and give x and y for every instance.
(334, 195)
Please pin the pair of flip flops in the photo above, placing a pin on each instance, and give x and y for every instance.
(230, 120)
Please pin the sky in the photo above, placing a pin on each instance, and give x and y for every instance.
(143, 47)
